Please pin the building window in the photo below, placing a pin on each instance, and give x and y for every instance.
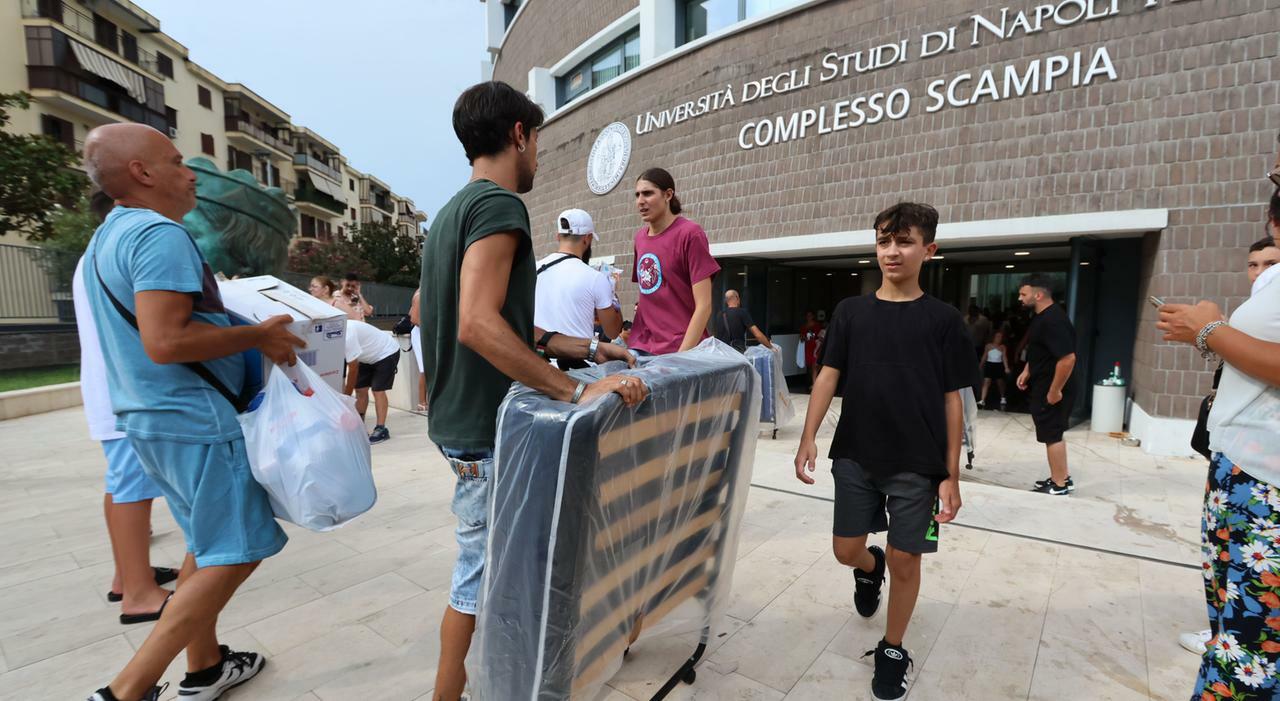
(620, 56)
(205, 97)
(104, 33)
(59, 130)
(703, 17)
(353, 213)
(509, 10)
(206, 144)
(129, 47)
(352, 184)
(171, 116)
(164, 65)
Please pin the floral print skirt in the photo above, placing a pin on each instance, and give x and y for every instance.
(1240, 547)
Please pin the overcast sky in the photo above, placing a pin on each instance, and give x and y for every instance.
(376, 78)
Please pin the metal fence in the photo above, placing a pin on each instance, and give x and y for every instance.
(389, 301)
(35, 284)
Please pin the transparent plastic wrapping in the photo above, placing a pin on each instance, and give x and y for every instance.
(776, 406)
(608, 523)
(969, 441)
(308, 449)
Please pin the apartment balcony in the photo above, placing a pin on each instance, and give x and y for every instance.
(305, 160)
(95, 100)
(317, 203)
(247, 135)
(77, 22)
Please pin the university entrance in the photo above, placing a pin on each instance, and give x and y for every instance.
(1096, 279)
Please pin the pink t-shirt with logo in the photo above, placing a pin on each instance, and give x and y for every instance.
(666, 267)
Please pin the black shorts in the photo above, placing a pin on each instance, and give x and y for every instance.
(1051, 420)
(993, 371)
(379, 376)
(905, 504)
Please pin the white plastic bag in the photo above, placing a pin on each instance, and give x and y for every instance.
(310, 453)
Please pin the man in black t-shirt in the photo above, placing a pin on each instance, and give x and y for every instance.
(901, 358)
(734, 323)
(1047, 380)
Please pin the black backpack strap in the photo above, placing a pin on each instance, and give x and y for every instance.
(554, 263)
(239, 402)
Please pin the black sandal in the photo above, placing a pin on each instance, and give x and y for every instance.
(127, 619)
(164, 575)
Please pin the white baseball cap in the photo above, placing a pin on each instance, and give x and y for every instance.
(575, 222)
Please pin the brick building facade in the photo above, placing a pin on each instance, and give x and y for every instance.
(1170, 141)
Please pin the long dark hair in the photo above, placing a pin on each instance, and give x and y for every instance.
(665, 182)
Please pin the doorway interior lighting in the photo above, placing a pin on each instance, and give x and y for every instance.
(864, 262)
(1022, 253)
(1008, 266)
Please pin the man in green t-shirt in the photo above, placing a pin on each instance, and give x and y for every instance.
(478, 333)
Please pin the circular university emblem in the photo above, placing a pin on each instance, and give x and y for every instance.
(609, 157)
(649, 273)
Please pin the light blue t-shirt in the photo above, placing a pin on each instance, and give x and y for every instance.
(137, 250)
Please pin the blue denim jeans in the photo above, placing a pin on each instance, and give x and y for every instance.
(471, 507)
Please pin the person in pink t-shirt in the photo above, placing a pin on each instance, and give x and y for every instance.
(674, 268)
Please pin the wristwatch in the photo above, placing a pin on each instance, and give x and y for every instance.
(591, 349)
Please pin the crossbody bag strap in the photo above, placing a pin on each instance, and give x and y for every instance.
(554, 263)
(238, 401)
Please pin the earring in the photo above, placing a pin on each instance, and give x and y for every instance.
(520, 148)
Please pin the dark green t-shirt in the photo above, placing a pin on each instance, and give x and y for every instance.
(465, 389)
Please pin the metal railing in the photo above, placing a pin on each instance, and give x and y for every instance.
(389, 301)
(234, 124)
(306, 160)
(35, 284)
(82, 25)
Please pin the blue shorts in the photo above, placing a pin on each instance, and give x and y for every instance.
(221, 509)
(127, 482)
(471, 506)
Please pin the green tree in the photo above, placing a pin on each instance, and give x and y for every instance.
(71, 227)
(335, 259)
(36, 174)
(396, 257)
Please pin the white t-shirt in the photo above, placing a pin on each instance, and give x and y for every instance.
(415, 339)
(568, 295)
(368, 343)
(1244, 424)
(93, 369)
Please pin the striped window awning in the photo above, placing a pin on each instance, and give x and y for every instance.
(112, 70)
(327, 186)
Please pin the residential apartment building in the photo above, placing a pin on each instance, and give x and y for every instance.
(92, 63)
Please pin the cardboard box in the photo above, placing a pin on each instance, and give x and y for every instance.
(321, 325)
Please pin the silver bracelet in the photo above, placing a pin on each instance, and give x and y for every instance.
(577, 393)
(1202, 338)
(591, 350)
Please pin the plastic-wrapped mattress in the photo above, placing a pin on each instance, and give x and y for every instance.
(776, 406)
(609, 522)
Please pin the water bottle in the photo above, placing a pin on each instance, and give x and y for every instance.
(1115, 378)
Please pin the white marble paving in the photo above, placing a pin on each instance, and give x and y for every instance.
(1030, 597)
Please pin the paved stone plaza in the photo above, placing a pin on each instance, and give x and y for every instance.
(1031, 596)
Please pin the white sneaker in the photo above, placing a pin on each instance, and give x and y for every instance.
(1195, 642)
(237, 668)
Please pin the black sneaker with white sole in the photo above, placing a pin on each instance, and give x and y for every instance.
(1071, 484)
(866, 585)
(890, 680)
(104, 694)
(1048, 487)
(237, 668)
(379, 434)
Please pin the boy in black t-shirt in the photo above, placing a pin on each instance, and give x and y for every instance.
(901, 357)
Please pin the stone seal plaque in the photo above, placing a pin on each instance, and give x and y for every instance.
(609, 157)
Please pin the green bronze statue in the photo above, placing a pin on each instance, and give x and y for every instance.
(242, 228)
